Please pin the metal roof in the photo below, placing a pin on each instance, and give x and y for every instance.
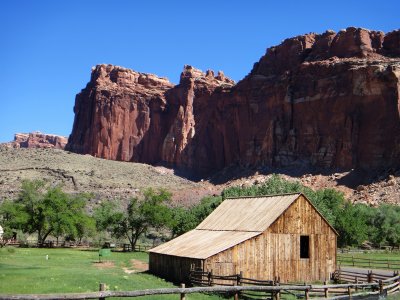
(202, 244)
(247, 214)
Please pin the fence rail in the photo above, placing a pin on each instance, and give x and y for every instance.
(341, 275)
(355, 281)
(389, 264)
(383, 249)
(198, 277)
(331, 291)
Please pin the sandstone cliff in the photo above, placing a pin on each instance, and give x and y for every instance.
(37, 140)
(329, 100)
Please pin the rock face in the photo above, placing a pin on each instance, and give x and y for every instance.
(37, 140)
(329, 100)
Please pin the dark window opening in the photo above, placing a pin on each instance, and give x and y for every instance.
(304, 246)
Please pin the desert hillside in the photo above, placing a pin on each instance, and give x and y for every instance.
(108, 179)
(82, 173)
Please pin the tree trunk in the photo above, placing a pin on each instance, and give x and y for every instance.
(45, 237)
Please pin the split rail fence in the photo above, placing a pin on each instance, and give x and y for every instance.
(356, 282)
(327, 291)
(370, 263)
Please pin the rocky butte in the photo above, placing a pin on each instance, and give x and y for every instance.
(37, 140)
(326, 100)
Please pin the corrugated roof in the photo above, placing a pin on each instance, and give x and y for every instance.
(202, 244)
(247, 214)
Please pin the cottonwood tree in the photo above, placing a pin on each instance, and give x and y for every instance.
(45, 211)
(151, 211)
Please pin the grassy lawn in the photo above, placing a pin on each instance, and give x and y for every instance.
(379, 260)
(26, 271)
(374, 255)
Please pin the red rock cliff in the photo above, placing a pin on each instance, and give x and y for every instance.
(37, 140)
(330, 100)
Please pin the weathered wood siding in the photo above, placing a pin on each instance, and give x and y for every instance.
(172, 268)
(276, 252)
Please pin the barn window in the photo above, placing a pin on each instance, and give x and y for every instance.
(304, 246)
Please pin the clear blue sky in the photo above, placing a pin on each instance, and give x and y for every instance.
(47, 48)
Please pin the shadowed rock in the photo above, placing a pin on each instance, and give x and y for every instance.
(329, 100)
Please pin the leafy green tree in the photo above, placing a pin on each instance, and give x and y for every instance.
(141, 214)
(107, 216)
(85, 227)
(45, 212)
(351, 226)
(386, 223)
(329, 202)
(182, 220)
(11, 217)
(185, 219)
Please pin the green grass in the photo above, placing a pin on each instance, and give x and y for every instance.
(379, 260)
(26, 271)
(374, 255)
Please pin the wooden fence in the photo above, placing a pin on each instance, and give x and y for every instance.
(200, 278)
(70, 244)
(353, 276)
(368, 282)
(335, 291)
(388, 264)
(383, 249)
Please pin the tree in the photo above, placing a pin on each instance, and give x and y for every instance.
(142, 214)
(351, 226)
(386, 222)
(10, 218)
(45, 212)
(185, 219)
(106, 216)
(85, 227)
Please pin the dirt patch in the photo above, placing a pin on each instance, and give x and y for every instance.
(136, 266)
(104, 264)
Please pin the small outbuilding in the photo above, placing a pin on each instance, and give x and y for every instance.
(264, 237)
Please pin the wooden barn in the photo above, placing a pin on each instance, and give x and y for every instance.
(264, 237)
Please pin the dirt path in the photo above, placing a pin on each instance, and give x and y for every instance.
(136, 267)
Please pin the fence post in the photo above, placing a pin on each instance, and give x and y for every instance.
(239, 278)
(278, 292)
(183, 294)
(352, 258)
(307, 292)
(380, 287)
(238, 282)
(236, 296)
(369, 276)
(273, 284)
(356, 284)
(210, 281)
(102, 288)
(349, 291)
(398, 280)
(326, 290)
